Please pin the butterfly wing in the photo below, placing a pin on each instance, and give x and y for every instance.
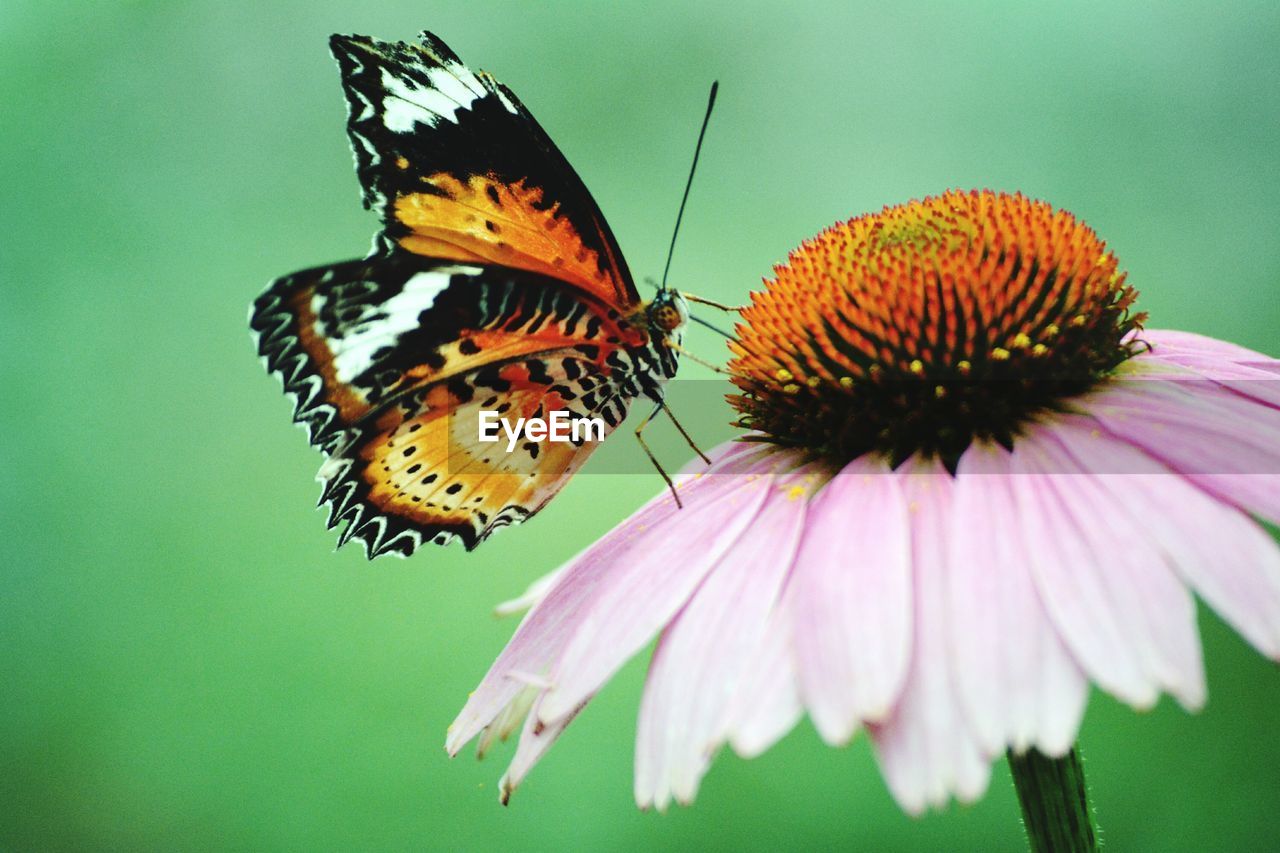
(494, 284)
(390, 360)
(421, 473)
(459, 169)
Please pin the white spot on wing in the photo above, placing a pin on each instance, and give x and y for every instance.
(318, 301)
(506, 102)
(453, 80)
(353, 352)
(366, 105)
(405, 104)
(374, 157)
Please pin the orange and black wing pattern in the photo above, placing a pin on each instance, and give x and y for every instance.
(390, 361)
(419, 473)
(494, 286)
(459, 169)
(346, 339)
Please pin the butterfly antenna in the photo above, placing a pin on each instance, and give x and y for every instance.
(711, 102)
(712, 326)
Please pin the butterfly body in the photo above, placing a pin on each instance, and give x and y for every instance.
(495, 285)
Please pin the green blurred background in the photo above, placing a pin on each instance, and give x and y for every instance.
(187, 664)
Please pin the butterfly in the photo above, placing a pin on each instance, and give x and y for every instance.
(494, 285)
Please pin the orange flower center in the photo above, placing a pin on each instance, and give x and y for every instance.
(929, 325)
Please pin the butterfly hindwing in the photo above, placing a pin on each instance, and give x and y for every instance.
(459, 169)
(316, 328)
(421, 473)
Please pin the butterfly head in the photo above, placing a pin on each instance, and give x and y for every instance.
(667, 312)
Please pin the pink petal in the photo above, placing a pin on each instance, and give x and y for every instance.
(767, 704)
(1255, 383)
(643, 586)
(1207, 366)
(535, 592)
(926, 748)
(705, 653)
(535, 740)
(1271, 366)
(1171, 341)
(1226, 443)
(1256, 493)
(853, 600)
(511, 718)
(1230, 560)
(1019, 684)
(1247, 373)
(547, 628)
(1125, 615)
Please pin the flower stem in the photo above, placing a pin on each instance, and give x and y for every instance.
(1055, 806)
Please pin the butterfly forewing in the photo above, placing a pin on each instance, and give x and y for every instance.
(458, 168)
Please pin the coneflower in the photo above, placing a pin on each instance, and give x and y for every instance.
(974, 483)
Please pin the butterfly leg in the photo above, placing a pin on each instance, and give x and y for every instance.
(645, 447)
(695, 359)
(688, 439)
